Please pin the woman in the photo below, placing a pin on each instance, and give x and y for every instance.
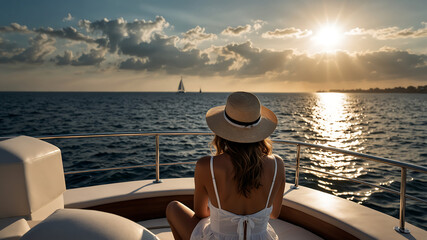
(241, 187)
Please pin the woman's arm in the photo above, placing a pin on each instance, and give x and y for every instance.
(281, 179)
(201, 198)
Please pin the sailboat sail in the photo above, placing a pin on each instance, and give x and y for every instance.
(181, 88)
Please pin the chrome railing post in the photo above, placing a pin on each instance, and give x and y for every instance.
(297, 167)
(401, 227)
(157, 160)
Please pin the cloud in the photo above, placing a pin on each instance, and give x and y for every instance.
(254, 61)
(161, 53)
(197, 35)
(115, 32)
(258, 24)
(40, 46)
(391, 63)
(391, 32)
(385, 64)
(287, 33)
(6, 45)
(133, 63)
(93, 57)
(8, 49)
(14, 27)
(245, 60)
(143, 46)
(66, 33)
(240, 30)
(68, 18)
(64, 60)
(235, 31)
(119, 30)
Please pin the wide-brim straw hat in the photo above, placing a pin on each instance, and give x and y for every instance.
(243, 119)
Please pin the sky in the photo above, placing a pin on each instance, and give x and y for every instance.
(216, 46)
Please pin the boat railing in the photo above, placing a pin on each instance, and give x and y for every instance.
(403, 166)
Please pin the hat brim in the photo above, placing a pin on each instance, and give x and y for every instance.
(221, 127)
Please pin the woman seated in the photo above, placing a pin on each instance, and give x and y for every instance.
(241, 187)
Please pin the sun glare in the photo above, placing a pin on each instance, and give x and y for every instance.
(328, 37)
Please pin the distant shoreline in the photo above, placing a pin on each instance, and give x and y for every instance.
(410, 89)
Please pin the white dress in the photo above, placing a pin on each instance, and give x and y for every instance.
(225, 225)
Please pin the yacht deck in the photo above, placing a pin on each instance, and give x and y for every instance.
(305, 211)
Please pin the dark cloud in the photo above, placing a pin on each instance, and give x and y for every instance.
(287, 32)
(64, 60)
(6, 45)
(393, 64)
(8, 50)
(14, 27)
(133, 63)
(161, 54)
(254, 61)
(119, 30)
(391, 32)
(93, 57)
(237, 30)
(40, 46)
(244, 60)
(386, 64)
(66, 33)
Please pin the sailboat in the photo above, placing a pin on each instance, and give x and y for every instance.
(181, 88)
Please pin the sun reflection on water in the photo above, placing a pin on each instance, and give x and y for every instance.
(330, 119)
(335, 123)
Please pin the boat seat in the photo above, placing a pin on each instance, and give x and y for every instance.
(13, 228)
(71, 224)
(86, 197)
(161, 228)
(32, 178)
(31, 184)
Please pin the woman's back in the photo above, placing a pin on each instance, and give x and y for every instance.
(230, 199)
(238, 190)
(232, 215)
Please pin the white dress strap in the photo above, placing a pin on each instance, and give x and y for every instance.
(214, 183)
(272, 184)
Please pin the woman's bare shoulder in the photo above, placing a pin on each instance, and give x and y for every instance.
(279, 161)
(203, 162)
(277, 157)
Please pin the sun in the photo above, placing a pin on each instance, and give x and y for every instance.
(328, 37)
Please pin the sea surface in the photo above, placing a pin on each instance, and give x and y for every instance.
(392, 126)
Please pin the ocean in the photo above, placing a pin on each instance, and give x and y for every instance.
(392, 126)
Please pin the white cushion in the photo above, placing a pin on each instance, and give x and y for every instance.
(31, 177)
(13, 228)
(71, 224)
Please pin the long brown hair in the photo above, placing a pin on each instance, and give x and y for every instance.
(247, 161)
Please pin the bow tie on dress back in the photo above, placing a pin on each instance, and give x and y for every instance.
(250, 224)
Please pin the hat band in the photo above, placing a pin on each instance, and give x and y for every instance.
(241, 124)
